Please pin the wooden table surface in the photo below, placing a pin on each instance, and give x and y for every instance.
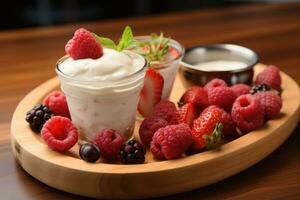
(27, 58)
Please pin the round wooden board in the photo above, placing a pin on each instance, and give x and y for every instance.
(69, 173)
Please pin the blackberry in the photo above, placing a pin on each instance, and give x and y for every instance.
(260, 88)
(37, 116)
(132, 152)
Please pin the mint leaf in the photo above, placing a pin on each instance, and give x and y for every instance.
(105, 42)
(127, 34)
(126, 39)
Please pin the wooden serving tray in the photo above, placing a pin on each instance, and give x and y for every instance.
(69, 173)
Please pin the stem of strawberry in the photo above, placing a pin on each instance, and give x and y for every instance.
(212, 139)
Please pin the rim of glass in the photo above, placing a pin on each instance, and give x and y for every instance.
(172, 43)
(71, 78)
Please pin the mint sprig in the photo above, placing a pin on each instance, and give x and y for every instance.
(125, 42)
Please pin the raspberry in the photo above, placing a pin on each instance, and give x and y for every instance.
(271, 103)
(171, 141)
(164, 109)
(148, 127)
(37, 117)
(59, 133)
(270, 76)
(195, 95)
(221, 96)
(240, 89)
(260, 88)
(83, 45)
(229, 129)
(109, 142)
(216, 82)
(247, 113)
(57, 103)
(132, 152)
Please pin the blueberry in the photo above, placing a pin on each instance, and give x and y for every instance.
(89, 152)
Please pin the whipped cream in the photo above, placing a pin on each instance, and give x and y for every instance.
(113, 65)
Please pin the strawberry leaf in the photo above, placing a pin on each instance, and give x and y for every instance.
(105, 42)
(212, 139)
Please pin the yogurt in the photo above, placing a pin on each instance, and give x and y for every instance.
(103, 93)
(220, 65)
(113, 65)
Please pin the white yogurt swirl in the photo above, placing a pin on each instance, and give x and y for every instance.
(113, 65)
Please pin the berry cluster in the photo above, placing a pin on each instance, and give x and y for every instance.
(167, 139)
(111, 146)
(53, 104)
(207, 114)
(52, 120)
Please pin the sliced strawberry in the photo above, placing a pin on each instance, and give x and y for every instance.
(151, 92)
(146, 49)
(173, 52)
(185, 114)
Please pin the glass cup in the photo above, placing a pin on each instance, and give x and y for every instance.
(168, 68)
(96, 104)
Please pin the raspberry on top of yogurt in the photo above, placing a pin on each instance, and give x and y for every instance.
(97, 58)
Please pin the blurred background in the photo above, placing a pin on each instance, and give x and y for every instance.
(33, 13)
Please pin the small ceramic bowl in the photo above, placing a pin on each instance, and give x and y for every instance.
(232, 63)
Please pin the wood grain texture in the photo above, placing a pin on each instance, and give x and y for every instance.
(27, 58)
(103, 180)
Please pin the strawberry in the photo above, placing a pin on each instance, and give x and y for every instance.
(229, 129)
(196, 95)
(185, 114)
(151, 92)
(207, 129)
(173, 52)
